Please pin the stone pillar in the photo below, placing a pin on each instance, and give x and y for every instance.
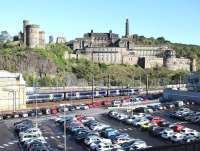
(127, 28)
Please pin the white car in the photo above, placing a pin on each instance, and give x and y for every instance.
(129, 120)
(140, 122)
(40, 139)
(27, 137)
(24, 114)
(31, 131)
(87, 118)
(140, 145)
(121, 140)
(106, 147)
(122, 117)
(91, 139)
(99, 127)
(190, 132)
(167, 134)
(177, 137)
(95, 144)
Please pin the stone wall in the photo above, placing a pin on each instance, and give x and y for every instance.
(173, 63)
(130, 59)
(150, 62)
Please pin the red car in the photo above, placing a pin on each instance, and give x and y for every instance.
(80, 117)
(157, 120)
(54, 110)
(177, 127)
(107, 103)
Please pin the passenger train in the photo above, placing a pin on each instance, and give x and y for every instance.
(56, 96)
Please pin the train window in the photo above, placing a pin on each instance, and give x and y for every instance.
(71, 94)
(57, 95)
(86, 93)
(102, 92)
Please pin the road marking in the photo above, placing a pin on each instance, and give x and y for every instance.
(15, 141)
(130, 128)
(125, 129)
(58, 136)
(1, 147)
(11, 143)
(6, 145)
(120, 129)
(52, 137)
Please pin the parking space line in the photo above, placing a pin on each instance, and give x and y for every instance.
(46, 137)
(15, 141)
(11, 143)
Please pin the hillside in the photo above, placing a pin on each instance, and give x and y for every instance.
(48, 67)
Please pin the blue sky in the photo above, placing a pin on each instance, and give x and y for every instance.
(176, 20)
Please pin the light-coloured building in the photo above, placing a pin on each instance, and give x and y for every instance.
(12, 91)
(60, 40)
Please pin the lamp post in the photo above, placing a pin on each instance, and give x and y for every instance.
(92, 78)
(36, 105)
(65, 138)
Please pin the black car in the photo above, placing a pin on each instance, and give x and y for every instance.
(156, 131)
(23, 122)
(35, 144)
(31, 113)
(88, 123)
(81, 136)
(164, 124)
(72, 108)
(22, 128)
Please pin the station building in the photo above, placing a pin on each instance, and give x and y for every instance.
(12, 91)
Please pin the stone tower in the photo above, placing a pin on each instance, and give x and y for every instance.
(127, 28)
(42, 39)
(32, 36)
(25, 23)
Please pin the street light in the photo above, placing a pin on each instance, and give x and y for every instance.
(65, 139)
(36, 105)
(92, 78)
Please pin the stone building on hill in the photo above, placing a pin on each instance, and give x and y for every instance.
(108, 48)
(31, 36)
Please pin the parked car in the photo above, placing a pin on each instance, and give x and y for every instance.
(177, 137)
